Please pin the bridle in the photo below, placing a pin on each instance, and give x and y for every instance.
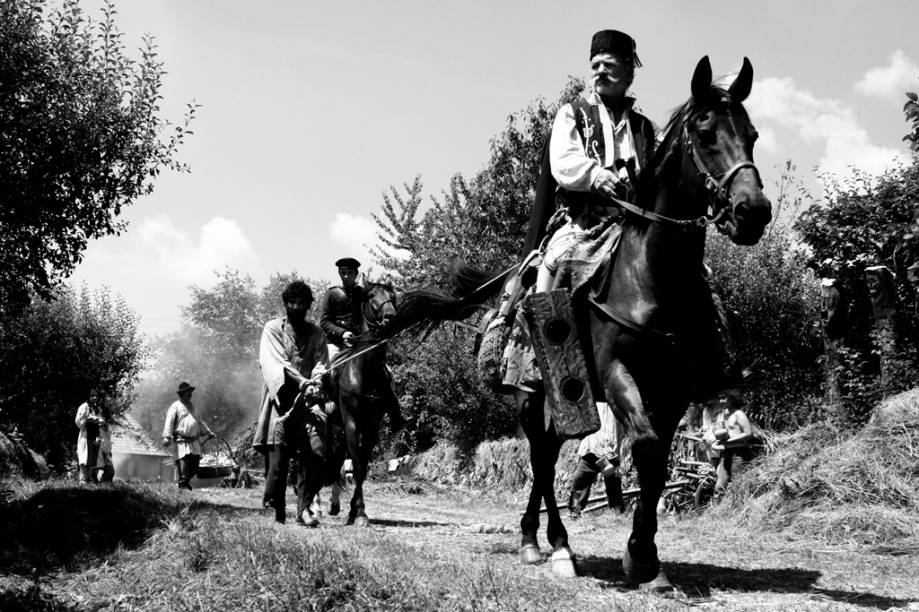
(717, 187)
(372, 313)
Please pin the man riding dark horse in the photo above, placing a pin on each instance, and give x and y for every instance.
(645, 337)
(342, 319)
(597, 148)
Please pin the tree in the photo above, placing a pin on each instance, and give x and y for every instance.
(81, 138)
(484, 221)
(911, 110)
(216, 351)
(54, 354)
(868, 221)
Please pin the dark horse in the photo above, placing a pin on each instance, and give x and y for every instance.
(361, 387)
(645, 333)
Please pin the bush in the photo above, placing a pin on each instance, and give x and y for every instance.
(773, 307)
(54, 354)
(441, 395)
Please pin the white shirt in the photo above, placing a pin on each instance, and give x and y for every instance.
(574, 168)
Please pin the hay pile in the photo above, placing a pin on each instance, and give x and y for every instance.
(840, 485)
(502, 464)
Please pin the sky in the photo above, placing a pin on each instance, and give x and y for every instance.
(311, 110)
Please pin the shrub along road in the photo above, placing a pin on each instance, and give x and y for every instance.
(428, 547)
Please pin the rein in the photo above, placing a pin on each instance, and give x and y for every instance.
(717, 188)
(718, 191)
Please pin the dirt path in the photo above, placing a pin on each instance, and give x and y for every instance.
(427, 547)
(712, 566)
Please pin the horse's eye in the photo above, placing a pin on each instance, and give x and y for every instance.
(704, 119)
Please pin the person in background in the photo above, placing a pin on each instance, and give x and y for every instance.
(599, 454)
(730, 433)
(94, 442)
(185, 428)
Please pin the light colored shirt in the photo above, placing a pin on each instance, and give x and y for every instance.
(283, 352)
(605, 441)
(572, 166)
(184, 426)
(279, 353)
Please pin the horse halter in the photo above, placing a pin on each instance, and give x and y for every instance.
(717, 188)
(372, 313)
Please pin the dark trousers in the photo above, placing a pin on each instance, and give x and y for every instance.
(731, 463)
(583, 479)
(188, 467)
(310, 455)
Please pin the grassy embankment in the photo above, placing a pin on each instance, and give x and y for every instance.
(827, 518)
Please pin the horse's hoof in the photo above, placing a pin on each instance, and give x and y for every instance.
(660, 584)
(334, 508)
(307, 519)
(361, 521)
(529, 554)
(638, 572)
(563, 563)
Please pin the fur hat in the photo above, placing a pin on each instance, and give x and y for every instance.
(616, 42)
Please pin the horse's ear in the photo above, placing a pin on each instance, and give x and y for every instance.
(742, 85)
(702, 80)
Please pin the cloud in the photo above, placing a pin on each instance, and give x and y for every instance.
(891, 82)
(794, 114)
(353, 232)
(153, 265)
(220, 243)
(767, 140)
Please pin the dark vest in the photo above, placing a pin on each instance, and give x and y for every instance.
(590, 127)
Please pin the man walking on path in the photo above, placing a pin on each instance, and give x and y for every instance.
(185, 428)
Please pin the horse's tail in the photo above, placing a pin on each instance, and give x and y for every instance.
(472, 287)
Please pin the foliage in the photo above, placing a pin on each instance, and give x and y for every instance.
(911, 110)
(773, 307)
(868, 221)
(482, 220)
(217, 352)
(54, 354)
(441, 396)
(774, 310)
(82, 138)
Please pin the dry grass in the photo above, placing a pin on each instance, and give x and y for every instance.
(503, 464)
(218, 550)
(839, 485)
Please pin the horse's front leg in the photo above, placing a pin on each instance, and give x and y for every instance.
(544, 448)
(649, 454)
(358, 466)
(529, 523)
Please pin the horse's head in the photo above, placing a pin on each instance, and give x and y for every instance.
(717, 143)
(380, 305)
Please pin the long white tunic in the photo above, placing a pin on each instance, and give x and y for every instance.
(83, 413)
